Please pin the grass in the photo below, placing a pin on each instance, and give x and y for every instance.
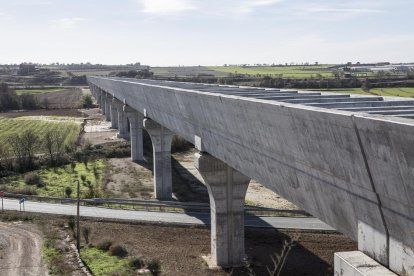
(55, 180)
(101, 263)
(38, 91)
(53, 258)
(394, 92)
(286, 71)
(10, 127)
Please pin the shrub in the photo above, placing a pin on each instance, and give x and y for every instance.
(155, 267)
(71, 222)
(136, 263)
(118, 250)
(68, 191)
(105, 245)
(86, 232)
(87, 101)
(32, 179)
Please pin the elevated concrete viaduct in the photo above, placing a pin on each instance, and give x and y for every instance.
(346, 159)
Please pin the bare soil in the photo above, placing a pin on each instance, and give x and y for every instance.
(180, 249)
(69, 98)
(129, 179)
(20, 250)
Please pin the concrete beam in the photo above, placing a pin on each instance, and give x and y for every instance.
(356, 263)
(161, 138)
(227, 190)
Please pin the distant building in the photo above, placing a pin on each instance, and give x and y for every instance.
(26, 69)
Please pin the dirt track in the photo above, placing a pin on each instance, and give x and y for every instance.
(20, 250)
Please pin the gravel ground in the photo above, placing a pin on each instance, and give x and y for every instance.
(20, 250)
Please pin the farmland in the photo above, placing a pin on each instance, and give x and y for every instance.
(38, 91)
(390, 92)
(69, 127)
(285, 71)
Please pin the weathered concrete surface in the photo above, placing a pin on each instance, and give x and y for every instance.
(356, 263)
(161, 139)
(122, 120)
(343, 168)
(227, 190)
(135, 127)
(114, 115)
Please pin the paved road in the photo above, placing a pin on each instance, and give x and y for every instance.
(162, 217)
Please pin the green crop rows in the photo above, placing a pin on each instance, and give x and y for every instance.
(286, 71)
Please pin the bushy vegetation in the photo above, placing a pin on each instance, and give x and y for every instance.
(139, 74)
(87, 101)
(118, 250)
(56, 181)
(101, 263)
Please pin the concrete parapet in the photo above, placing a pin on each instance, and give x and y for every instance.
(161, 138)
(227, 189)
(135, 126)
(356, 263)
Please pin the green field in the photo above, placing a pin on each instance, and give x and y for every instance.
(101, 263)
(70, 127)
(55, 180)
(38, 91)
(391, 92)
(285, 71)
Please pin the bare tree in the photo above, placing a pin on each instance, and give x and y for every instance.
(54, 143)
(24, 146)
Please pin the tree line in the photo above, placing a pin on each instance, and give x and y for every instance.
(9, 100)
(18, 152)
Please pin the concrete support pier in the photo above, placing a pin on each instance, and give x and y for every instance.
(114, 114)
(135, 126)
(103, 102)
(107, 108)
(122, 121)
(227, 190)
(161, 138)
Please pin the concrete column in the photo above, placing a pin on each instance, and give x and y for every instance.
(114, 114)
(122, 121)
(227, 190)
(98, 98)
(161, 138)
(103, 102)
(107, 108)
(135, 126)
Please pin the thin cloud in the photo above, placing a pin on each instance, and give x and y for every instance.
(165, 7)
(341, 10)
(246, 7)
(68, 23)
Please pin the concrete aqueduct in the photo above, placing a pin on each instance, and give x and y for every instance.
(346, 159)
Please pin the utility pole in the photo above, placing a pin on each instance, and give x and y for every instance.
(77, 220)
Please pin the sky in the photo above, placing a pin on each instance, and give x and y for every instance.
(206, 32)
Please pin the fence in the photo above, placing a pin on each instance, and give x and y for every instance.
(155, 205)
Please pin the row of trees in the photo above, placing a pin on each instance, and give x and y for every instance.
(9, 100)
(17, 153)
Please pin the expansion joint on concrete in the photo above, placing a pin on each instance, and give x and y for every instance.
(371, 180)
